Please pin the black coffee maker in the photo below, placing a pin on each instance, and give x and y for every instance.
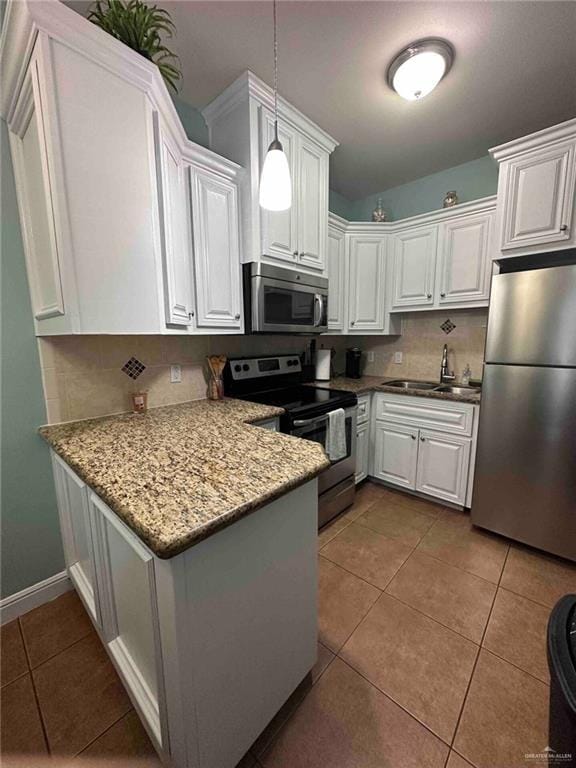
(353, 361)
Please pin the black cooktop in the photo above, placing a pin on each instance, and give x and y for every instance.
(301, 397)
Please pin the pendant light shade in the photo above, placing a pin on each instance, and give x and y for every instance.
(275, 181)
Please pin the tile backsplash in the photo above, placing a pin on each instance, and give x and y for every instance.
(421, 345)
(83, 375)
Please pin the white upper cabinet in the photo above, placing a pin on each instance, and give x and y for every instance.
(414, 267)
(312, 204)
(176, 245)
(241, 126)
(337, 282)
(536, 192)
(103, 199)
(280, 228)
(367, 275)
(216, 251)
(465, 264)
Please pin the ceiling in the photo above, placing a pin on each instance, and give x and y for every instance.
(514, 73)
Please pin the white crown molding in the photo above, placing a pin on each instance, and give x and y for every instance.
(339, 222)
(483, 205)
(560, 132)
(25, 18)
(21, 602)
(247, 86)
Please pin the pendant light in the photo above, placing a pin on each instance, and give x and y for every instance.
(275, 182)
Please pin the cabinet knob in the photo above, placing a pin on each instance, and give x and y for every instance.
(442, 296)
(351, 322)
(295, 253)
(190, 315)
(429, 296)
(422, 439)
(302, 254)
(564, 227)
(236, 317)
(413, 437)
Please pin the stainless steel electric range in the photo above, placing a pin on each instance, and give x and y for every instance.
(279, 380)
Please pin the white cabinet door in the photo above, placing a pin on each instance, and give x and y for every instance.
(175, 229)
(129, 613)
(465, 262)
(312, 204)
(362, 451)
(443, 462)
(76, 527)
(337, 279)
(216, 251)
(414, 264)
(367, 270)
(34, 171)
(395, 454)
(280, 228)
(538, 194)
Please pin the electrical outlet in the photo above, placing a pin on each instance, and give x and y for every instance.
(369, 357)
(398, 358)
(175, 374)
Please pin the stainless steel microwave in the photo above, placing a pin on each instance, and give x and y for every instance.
(279, 300)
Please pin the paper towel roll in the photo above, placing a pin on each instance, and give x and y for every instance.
(323, 365)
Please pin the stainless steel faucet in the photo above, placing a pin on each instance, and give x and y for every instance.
(445, 374)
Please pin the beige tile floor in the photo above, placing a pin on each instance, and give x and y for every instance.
(432, 655)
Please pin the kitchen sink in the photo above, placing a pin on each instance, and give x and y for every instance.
(455, 390)
(409, 384)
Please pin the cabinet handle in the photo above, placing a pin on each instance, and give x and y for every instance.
(564, 227)
(442, 296)
(302, 254)
(351, 322)
(295, 253)
(236, 317)
(413, 437)
(190, 315)
(429, 296)
(422, 439)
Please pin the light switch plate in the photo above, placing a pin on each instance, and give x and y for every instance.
(175, 374)
(398, 357)
(369, 357)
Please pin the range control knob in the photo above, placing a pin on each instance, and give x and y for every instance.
(237, 367)
(245, 367)
(294, 362)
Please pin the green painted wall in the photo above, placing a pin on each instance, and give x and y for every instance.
(192, 120)
(473, 180)
(340, 205)
(30, 535)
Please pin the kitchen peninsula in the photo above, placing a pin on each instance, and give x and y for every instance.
(210, 640)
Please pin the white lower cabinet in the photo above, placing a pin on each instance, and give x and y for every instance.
(362, 452)
(208, 645)
(395, 454)
(443, 466)
(76, 529)
(425, 445)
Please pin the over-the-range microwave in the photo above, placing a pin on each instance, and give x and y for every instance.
(279, 300)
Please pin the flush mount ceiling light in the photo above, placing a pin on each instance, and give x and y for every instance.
(275, 182)
(418, 69)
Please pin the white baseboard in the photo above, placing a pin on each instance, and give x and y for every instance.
(21, 602)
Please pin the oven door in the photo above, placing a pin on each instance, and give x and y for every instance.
(279, 306)
(316, 429)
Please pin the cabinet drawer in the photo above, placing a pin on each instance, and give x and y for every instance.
(441, 416)
(363, 409)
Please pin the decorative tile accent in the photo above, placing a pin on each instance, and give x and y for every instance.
(448, 326)
(133, 368)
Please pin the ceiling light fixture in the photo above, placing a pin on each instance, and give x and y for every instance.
(275, 182)
(418, 69)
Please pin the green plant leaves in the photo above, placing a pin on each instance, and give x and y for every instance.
(140, 27)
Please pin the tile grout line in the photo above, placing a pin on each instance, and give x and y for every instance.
(464, 700)
(87, 746)
(66, 648)
(34, 691)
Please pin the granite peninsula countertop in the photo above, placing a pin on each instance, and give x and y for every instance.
(177, 474)
(367, 384)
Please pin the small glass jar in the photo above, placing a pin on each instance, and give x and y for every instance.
(216, 389)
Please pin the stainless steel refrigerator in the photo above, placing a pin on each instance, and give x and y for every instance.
(525, 478)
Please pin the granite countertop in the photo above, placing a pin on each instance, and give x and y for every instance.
(367, 384)
(177, 474)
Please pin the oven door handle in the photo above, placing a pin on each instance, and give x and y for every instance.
(306, 422)
(317, 309)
